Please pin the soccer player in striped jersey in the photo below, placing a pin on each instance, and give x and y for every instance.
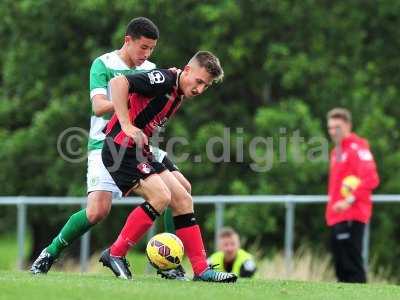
(140, 40)
(143, 102)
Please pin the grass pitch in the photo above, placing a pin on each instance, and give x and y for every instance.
(60, 286)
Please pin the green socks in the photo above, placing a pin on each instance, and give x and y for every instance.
(168, 221)
(78, 224)
(75, 227)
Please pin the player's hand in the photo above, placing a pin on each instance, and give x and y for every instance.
(174, 70)
(341, 205)
(137, 135)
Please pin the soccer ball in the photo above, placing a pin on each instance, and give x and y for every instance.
(349, 184)
(165, 251)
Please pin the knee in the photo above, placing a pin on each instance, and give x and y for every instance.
(162, 197)
(97, 213)
(183, 204)
(188, 187)
(183, 181)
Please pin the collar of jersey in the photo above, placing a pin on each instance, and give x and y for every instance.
(116, 52)
(178, 76)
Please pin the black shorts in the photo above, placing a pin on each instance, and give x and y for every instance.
(127, 166)
(169, 164)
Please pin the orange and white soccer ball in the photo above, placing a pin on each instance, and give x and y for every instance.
(349, 184)
(165, 251)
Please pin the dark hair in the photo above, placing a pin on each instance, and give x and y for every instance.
(339, 113)
(210, 62)
(142, 26)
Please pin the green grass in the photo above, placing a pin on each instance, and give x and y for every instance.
(60, 286)
(9, 250)
(100, 284)
(9, 253)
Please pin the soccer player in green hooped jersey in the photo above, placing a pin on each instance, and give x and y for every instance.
(140, 40)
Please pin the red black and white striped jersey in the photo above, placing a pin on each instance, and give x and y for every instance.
(153, 99)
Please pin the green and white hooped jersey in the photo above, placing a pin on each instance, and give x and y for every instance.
(103, 69)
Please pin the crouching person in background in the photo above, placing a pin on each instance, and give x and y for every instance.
(230, 257)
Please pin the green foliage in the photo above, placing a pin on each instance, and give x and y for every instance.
(286, 64)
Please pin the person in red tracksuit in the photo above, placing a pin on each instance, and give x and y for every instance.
(347, 215)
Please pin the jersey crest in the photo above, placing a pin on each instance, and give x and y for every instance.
(156, 77)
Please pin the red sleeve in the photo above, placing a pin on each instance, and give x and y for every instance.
(365, 169)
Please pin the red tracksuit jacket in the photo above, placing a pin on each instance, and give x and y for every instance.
(352, 157)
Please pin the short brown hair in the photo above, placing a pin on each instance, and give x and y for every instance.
(211, 63)
(339, 113)
(227, 232)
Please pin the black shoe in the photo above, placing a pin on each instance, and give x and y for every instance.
(43, 263)
(211, 275)
(177, 274)
(119, 265)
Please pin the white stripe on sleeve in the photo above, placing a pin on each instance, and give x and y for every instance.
(98, 91)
